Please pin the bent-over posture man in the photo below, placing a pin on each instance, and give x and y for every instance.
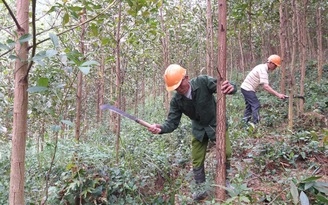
(195, 99)
(258, 76)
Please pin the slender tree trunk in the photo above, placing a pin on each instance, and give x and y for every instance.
(154, 82)
(303, 47)
(136, 94)
(101, 88)
(209, 40)
(282, 46)
(242, 60)
(143, 91)
(118, 82)
(112, 115)
(17, 173)
(166, 55)
(311, 48)
(319, 40)
(79, 87)
(250, 30)
(221, 103)
(292, 69)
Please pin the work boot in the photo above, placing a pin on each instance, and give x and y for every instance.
(200, 193)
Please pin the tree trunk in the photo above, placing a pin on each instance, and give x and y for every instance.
(242, 60)
(221, 103)
(118, 82)
(166, 56)
(209, 40)
(282, 45)
(136, 94)
(79, 87)
(17, 173)
(319, 40)
(292, 68)
(249, 13)
(101, 88)
(303, 47)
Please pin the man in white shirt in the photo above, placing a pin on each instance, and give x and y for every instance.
(258, 76)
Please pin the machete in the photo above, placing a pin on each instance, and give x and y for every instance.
(121, 112)
(298, 96)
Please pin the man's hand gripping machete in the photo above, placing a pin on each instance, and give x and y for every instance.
(120, 112)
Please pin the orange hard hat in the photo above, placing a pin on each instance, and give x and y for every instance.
(173, 76)
(275, 59)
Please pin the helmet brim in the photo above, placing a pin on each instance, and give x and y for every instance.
(171, 88)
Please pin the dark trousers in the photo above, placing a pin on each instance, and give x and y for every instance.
(252, 106)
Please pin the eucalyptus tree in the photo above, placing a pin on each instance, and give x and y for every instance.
(220, 177)
(22, 71)
(302, 28)
(17, 174)
(319, 37)
(283, 41)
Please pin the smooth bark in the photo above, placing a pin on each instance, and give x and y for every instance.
(283, 47)
(17, 169)
(118, 82)
(221, 103)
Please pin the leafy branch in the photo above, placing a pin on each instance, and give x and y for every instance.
(72, 28)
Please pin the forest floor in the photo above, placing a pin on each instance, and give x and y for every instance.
(267, 179)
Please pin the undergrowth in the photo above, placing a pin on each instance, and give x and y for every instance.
(270, 164)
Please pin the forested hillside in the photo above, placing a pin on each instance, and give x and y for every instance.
(61, 60)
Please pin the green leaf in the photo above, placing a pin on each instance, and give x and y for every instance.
(145, 14)
(36, 89)
(310, 179)
(69, 166)
(54, 39)
(43, 82)
(68, 122)
(85, 70)
(304, 199)
(104, 41)
(10, 42)
(76, 8)
(25, 38)
(65, 19)
(322, 198)
(294, 192)
(308, 185)
(94, 29)
(13, 57)
(322, 187)
(3, 46)
(130, 3)
(87, 63)
(39, 56)
(50, 53)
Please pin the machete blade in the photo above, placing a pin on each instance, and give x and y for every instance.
(118, 111)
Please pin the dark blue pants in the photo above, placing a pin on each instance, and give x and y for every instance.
(252, 106)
